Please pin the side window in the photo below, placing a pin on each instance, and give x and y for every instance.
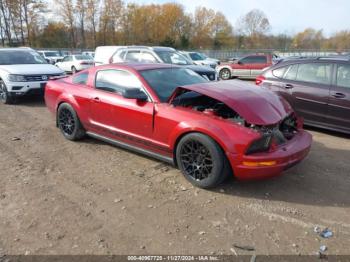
(291, 73)
(315, 73)
(343, 76)
(132, 56)
(254, 60)
(116, 81)
(65, 59)
(279, 72)
(147, 57)
(119, 56)
(80, 78)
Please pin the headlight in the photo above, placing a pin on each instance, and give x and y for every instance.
(260, 145)
(17, 78)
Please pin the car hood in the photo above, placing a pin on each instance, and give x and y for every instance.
(255, 104)
(201, 69)
(31, 69)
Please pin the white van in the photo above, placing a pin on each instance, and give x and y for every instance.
(103, 54)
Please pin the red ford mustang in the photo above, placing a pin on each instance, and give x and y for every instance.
(208, 129)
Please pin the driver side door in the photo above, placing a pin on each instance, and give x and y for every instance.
(128, 120)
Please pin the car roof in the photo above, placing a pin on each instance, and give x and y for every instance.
(338, 58)
(154, 48)
(140, 66)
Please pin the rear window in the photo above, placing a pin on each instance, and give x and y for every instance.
(80, 78)
(83, 57)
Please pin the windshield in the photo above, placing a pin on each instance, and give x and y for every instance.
(173, 57)
(16, 57)
(203, 55)
(165, 80)
(196, 57)
(83, 57)
(51, 54)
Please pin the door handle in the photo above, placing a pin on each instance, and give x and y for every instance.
(288, 86)
(96, 99)
(339, 95)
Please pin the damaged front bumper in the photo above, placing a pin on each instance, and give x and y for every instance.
(269, 164)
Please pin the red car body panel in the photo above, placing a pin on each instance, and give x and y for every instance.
(157, 127)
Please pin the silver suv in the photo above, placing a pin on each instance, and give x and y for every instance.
(23, 71)
(159, 54)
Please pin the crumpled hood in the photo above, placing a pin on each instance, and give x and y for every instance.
(255, 104)
(35, 69)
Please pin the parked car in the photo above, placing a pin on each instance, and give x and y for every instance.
(208, 129)
(317, 88)
(89, 53)
(159, 54)
(50, 56)
(200, 59)
(75, 63)
(23, 71)
(248, 67)
(103, 54)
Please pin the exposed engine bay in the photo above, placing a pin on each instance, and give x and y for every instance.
(276, 134)
(207, 105)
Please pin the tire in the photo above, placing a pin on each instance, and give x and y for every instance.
(68, 122)
(74, 70)
(202, 161)
(5, 98)
(225, 74)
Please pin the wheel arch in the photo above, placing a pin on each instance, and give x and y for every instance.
(225, 146)
(71, 102)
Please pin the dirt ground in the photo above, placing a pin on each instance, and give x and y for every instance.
(88, 197)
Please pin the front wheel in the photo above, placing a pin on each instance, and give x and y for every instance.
(225, 74)
(5, 98)
(69, 123)
(74, 70)
(202, 161)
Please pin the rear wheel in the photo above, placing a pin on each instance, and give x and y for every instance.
(202, 161)
(5, 98)
(225, 74)
(69, 123)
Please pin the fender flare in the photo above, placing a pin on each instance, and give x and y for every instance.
(219, 135)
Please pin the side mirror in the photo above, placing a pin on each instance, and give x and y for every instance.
(239, 62)
(135, 93)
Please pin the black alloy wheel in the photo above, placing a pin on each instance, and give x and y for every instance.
(196, 160)
(202, 161)
(69, 123)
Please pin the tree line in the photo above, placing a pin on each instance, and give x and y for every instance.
(89, 23)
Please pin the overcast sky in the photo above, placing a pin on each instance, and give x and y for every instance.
(286, 16)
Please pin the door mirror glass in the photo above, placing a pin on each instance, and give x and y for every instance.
(134, 93)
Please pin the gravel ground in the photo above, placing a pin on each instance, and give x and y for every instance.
(61, 197)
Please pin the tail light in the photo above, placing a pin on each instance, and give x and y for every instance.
(259, 80)
(86, 63)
